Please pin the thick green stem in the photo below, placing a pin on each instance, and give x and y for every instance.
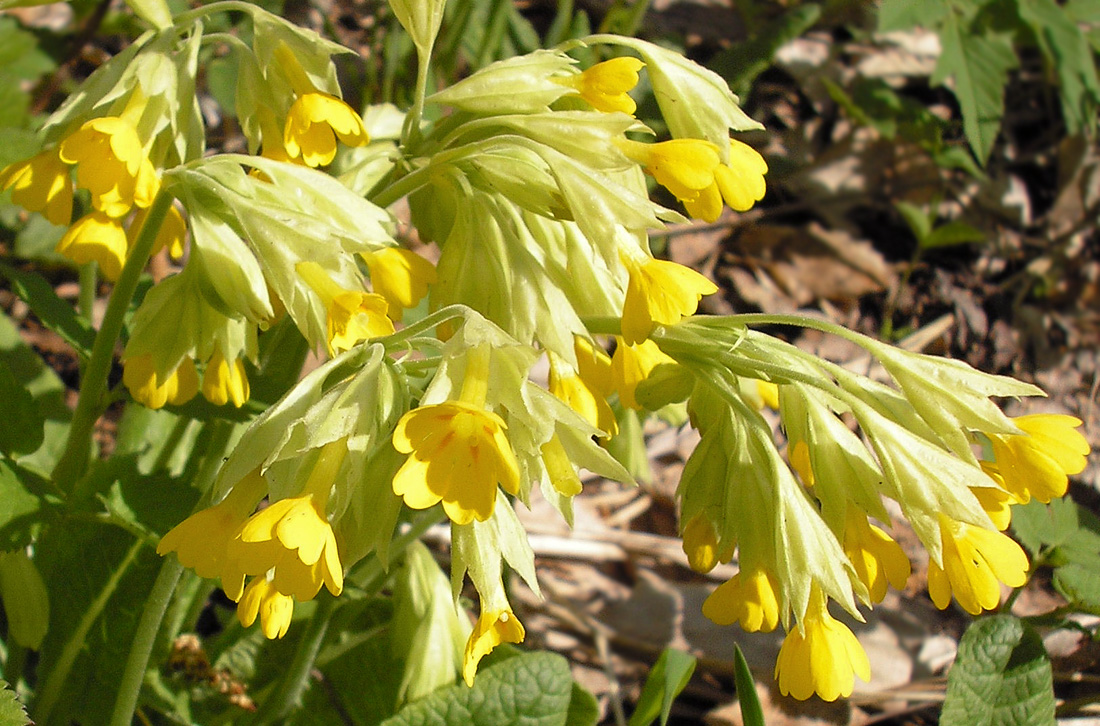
(88, 280)
(74, 460)
(47, 697)
(296, 677)
(134, 674)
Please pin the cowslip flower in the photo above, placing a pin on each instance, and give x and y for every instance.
(292, 538)
(494, 626)
(996, 502)
(314, 123)
(41, 184)
(140, 377)
(458, 451)
(400, 276)
(111, 164)
(740, 183)
(585, 389)
(683, 166)
(749, 598)
(1039, 462)
(659, 292)
(975, 563)
(200, 541)
(275, 610)
(877, 558)
(700, 544)
(225, 381)
(351, 315)
(821, 655)
(171, 235)
(98, 238)
(605, 86)
(632, 364)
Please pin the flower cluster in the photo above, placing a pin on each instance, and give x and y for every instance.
(533, 188)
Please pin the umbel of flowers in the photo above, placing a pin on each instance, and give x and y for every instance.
(533, 186)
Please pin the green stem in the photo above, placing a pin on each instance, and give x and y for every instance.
(50, 692)
(86, 301)
(402, 187)
(134, 673)
(137, 662)
(74, 460)
(370, 579)
(289, 692)
(223, 6)
(426, 323)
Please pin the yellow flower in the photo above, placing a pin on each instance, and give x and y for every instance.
(769, 393)
(493, 628)
(95, 237)
(139, 376)
(172, 232)
(400, 276)
(563, 477)
(748, 598)
(111, 164)
(586, 389)
(660, 292)
(820, 656)
(605, 86)
(275, 609)
(352, 315)
(41, 184)
(458, 454)
(224, 381)
(683, 166)
(996, 502)
(293, 537)
(313, 124)
(632, 364)
(700, 544)
(877, 558)
(1037, 463)
(975, 563)
(200, 541)
(740, 183)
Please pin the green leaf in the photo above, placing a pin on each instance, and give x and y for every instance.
(48, 392)
(25, 507)
(741, 63)
(1080, 585)
(584, 709)
(55, 313)
(905, 14)
(951, 234)
(978, 66)
(751, 712)
(1061, 526)
(1001, 677)
(22, 432)
(917, 219)
(534, 689)
(1066, 52)
(668, 678)
(11, 711)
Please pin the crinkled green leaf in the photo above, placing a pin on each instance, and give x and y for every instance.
(11, 711)
(534, 689)
(1001, 677)
(1080, 584)
(25, 504)
(978, 65)
(52, 311)
(904, 14)
(669, 676)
